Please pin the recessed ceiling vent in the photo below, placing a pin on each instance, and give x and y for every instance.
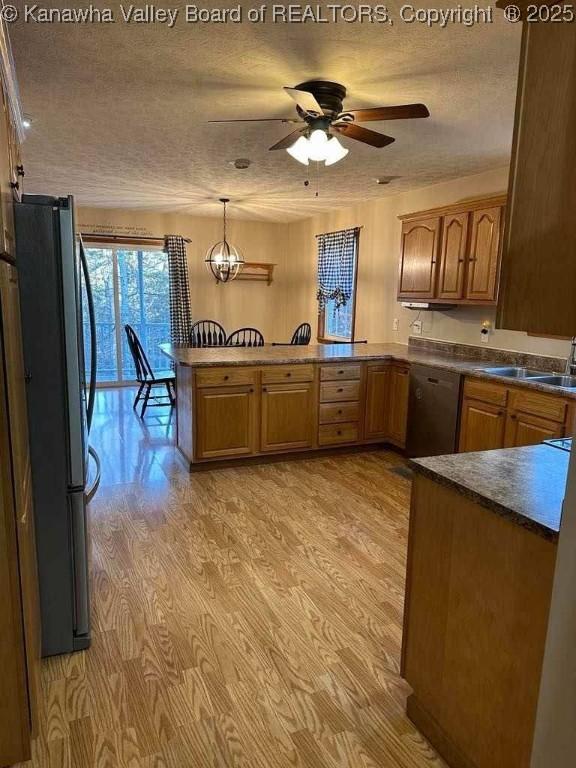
(242, 163)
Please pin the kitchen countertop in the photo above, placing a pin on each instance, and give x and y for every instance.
(525, 484)
(339, 353)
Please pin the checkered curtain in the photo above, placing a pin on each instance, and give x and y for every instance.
(336, 260)
(180, 316)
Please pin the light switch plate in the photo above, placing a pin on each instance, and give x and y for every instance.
(417, 327)
(395, 324)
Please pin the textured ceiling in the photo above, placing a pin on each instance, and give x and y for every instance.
(119, 110)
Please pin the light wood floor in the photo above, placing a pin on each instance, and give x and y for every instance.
(243, 617)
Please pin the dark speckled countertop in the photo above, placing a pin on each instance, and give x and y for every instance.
(525, 484)
(339, 353)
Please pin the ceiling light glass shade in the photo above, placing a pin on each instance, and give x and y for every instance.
(334, 151)
(224, 261)
(299, 150)
(317, 145)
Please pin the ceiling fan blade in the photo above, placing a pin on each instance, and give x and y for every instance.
(400, 112)
(305, 100)
(287, 141)
(352, 131)
(260, 120)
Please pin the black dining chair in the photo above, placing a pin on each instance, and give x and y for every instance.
(207, 333)
(147, 379)
(300, 338)
(245, 337)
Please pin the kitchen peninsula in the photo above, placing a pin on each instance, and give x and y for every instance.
(245, 402)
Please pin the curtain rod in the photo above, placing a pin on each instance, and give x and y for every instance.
(337, 231)
(103, 238)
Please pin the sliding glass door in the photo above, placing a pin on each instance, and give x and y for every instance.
(129, 287)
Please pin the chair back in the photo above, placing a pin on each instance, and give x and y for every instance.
(302, 335)
(207, 333)
(245, 337)
(144, 371)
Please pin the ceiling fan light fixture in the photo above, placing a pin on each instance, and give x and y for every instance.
(317, 143)
(334, 151)
(300, 150)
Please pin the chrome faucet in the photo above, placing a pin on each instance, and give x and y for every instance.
(571, 361)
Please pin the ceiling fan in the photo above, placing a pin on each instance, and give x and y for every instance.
(319, 105)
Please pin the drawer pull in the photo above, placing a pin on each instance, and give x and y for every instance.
(512, 416)
(226, 377)
(340, 389)
(264, 389)
(340, 412)
(340, 372)
(339, 432)
(251, 389)
(288, 374)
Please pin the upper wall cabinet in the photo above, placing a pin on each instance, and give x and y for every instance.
(539, 253)
(419, 258)
(452, 254)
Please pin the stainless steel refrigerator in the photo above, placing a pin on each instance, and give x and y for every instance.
(60, 385)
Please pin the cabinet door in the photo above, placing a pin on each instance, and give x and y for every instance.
(484, 255)
(226, 422)
(453, 256)
(288, 417)
(418, 258)
(525, 429)
(482, 426)
(377, 401)
(398, 410)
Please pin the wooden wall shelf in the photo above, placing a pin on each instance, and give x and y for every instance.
(257, 271)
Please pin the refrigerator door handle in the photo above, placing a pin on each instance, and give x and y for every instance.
(94, 487)
(92, 320)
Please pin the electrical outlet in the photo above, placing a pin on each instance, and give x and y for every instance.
(395, 324)
(417, 327)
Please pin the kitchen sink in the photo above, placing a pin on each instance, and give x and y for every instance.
(558, 381)
(513, 373)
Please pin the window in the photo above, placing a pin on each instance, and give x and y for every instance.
(337, 269)
(129, 286)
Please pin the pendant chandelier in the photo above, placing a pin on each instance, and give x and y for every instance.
(223, 259)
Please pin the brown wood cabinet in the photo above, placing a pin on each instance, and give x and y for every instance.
(482, 426)
(538, 264)
(419, 258)
(476, 613)
(226, 422)
(484, 255)
(452, 254)
(527, 429)
(288, 416)
(376, 413)
(398, 404)
(495, 416)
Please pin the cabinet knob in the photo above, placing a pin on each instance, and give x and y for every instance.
(513, 416)
(340, 412)
(340, 389)
(340, 372)
(339, 432)
(288, 374)
(226, 377)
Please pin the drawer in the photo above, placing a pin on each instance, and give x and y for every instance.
(332, 434)
(338, 372)
(278, 374)
(485, 391)
(221, 377)
(334, 391)
(538, 404)
(333, 413)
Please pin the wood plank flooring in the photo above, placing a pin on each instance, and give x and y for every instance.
(244, 617)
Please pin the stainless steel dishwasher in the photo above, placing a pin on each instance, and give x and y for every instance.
(434, 404)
